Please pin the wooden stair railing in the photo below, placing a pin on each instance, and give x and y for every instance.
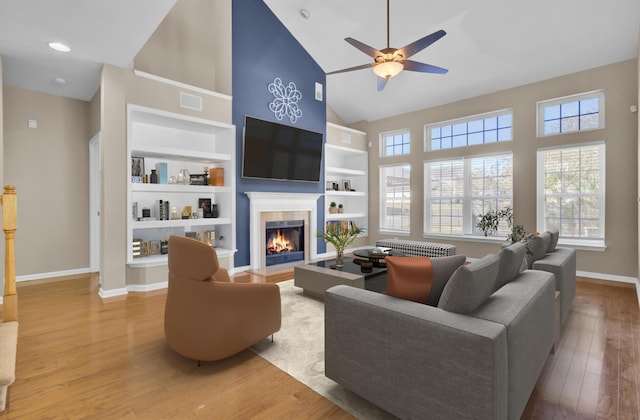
(9, 202)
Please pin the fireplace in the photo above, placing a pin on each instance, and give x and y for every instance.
(277, 207)
(284, 241)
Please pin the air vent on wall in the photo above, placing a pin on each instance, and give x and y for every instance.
(190, 101)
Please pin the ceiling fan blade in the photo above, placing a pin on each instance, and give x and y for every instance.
(370, 51)
(422, 67)
(421, 44)
(382, 82)
(363, 66)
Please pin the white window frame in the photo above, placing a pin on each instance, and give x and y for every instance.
(468, 226)
(598, 243)
(541, 105)
(383, 201)
(383, 138)
(466, 120)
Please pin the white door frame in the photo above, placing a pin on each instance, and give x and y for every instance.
(95, 202)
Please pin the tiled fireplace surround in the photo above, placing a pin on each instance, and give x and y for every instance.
(267, 207)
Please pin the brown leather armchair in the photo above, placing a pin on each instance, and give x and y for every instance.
(207, 317)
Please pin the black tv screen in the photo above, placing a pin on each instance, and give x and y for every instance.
(277, 151)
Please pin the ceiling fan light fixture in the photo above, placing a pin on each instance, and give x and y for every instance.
(388, 69)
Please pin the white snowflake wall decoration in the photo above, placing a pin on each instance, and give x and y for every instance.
(285, 102)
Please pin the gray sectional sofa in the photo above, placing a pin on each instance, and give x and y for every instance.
(546, 256)
(477, 355)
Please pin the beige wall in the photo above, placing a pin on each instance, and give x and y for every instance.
(94, 114)
(332, 117)
(192, 46)
(49, 167)
(620, 84)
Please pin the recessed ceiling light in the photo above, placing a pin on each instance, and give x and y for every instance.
(59, 81)
(59, 46)
(304, 13)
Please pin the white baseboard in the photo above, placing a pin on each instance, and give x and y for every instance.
(147, 287)
(105, 294)
(607, 277)
(53, 274)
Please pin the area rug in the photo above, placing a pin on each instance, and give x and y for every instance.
(298, 349)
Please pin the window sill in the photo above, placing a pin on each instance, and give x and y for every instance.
(582, 245)
(467, 238)
(393, 232)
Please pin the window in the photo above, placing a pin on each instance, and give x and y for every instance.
(395, 193)
(571, 184)
(459, 191)
(395, 143)
(469, 131)
(571, 113)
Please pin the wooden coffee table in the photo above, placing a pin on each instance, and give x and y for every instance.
(316, 278)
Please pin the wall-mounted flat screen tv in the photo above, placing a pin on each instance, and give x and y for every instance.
(276, 151)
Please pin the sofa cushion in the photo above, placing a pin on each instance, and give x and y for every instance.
(470, 285)
(443, 269)
(511, 259)
(409, 278)
(555, 235)
(420, 279)
(538, 246)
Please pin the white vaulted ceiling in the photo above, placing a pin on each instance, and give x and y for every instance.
(98, 31)
(489, 46)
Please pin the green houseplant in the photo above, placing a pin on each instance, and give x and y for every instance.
(489, 222)
(333, 207)
(340, 237)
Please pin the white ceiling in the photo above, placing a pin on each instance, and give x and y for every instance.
(489, 46)
(98, 31)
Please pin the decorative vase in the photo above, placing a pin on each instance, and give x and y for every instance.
(183, 177)
(339, 258)
(214, 210)
(153, 179)
(333, 210)
(340, 209)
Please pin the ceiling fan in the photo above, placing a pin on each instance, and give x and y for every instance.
(391, 61)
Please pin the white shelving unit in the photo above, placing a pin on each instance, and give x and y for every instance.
(347, 164)
(182, 142)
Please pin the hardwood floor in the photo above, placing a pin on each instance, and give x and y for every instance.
(595, 372)
(83, 357)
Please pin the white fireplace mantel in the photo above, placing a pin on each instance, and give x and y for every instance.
(262, 202)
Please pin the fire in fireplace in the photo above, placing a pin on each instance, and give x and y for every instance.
(285, 241)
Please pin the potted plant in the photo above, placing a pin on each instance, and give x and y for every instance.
(340, 238)
(333, 207)
(490, 221)
(340, 208)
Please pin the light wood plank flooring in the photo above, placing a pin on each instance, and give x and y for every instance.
(83, 357)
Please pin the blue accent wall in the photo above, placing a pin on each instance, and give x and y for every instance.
(263, 49)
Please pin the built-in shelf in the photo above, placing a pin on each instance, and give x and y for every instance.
(177, 188)
(347, 164)
(156, 260)
(185, 223)
(181, 142)
(180, 154)
(344, 171)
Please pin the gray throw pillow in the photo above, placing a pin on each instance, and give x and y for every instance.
(538, 246)
(555, 235)
(443, 268)
(511, 259)
(470, 285)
